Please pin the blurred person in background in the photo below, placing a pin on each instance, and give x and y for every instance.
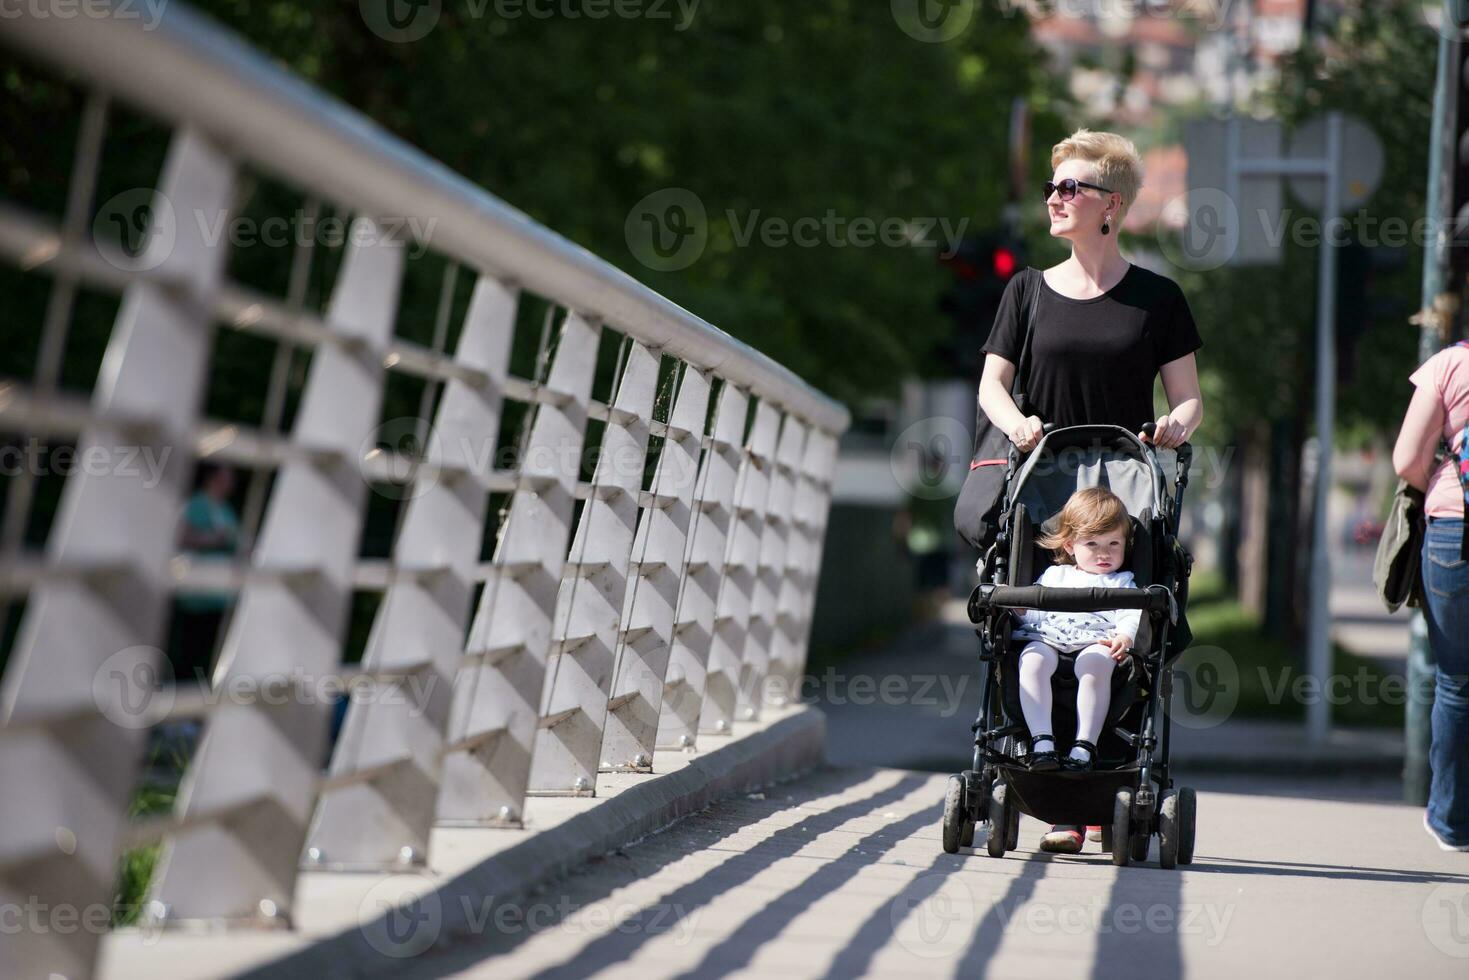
(1438, 411)
(209, 528)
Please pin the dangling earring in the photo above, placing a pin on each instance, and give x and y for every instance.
(1106, 225)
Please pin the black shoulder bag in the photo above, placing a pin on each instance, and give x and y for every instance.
(976, 513)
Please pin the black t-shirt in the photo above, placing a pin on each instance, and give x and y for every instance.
(1093, 361)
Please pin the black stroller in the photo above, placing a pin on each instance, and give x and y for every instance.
(1130, 792)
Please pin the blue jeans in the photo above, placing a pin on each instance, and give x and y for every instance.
(1446, 610)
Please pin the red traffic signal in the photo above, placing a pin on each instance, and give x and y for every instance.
(1004, 262)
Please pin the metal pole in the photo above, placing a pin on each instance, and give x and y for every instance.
(1318, 711)
(1433, 320)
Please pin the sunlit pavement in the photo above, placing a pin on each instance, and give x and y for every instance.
(842, 874)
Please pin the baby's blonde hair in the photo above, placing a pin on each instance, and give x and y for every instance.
(1118, 166)
(1093, 510)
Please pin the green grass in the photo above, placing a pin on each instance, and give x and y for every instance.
(1272, 673)
(135, 867)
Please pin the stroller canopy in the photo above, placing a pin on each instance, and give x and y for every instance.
(1070, 459)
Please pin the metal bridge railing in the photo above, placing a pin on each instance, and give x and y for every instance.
(647, 606)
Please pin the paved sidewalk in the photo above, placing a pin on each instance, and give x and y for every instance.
(841, 874)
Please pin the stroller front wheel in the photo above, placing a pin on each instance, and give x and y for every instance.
(1004, 822)
(955, 815)
(1122, 828)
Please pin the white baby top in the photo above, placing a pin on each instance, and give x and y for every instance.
(1069, 631)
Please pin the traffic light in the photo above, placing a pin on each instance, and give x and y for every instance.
(982, 266)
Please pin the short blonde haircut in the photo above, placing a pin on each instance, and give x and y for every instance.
(1119, 168)
(1093, 510)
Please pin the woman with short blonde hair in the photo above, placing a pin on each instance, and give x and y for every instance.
(1104, 329)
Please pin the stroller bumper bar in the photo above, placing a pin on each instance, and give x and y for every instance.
(1153, 598)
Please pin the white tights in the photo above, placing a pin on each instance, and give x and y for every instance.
(1093, 691)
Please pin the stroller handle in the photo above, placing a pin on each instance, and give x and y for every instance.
(1153, 598)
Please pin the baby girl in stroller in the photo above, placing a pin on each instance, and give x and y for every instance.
(1090, 545)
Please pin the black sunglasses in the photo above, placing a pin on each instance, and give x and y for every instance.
(1067, 186)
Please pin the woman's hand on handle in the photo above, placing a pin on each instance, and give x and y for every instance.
(1169, 434)
(1027, 433)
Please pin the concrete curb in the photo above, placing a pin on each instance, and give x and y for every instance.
(782, 750)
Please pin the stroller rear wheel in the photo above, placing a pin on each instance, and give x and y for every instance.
(955, 815)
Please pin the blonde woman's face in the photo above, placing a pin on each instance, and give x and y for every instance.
(1083, 213)
(1098, 553)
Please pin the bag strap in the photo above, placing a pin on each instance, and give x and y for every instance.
(1022, 369)
(1460, 460)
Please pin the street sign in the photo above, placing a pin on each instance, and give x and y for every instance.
(1361, 162)
(1232, 216)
